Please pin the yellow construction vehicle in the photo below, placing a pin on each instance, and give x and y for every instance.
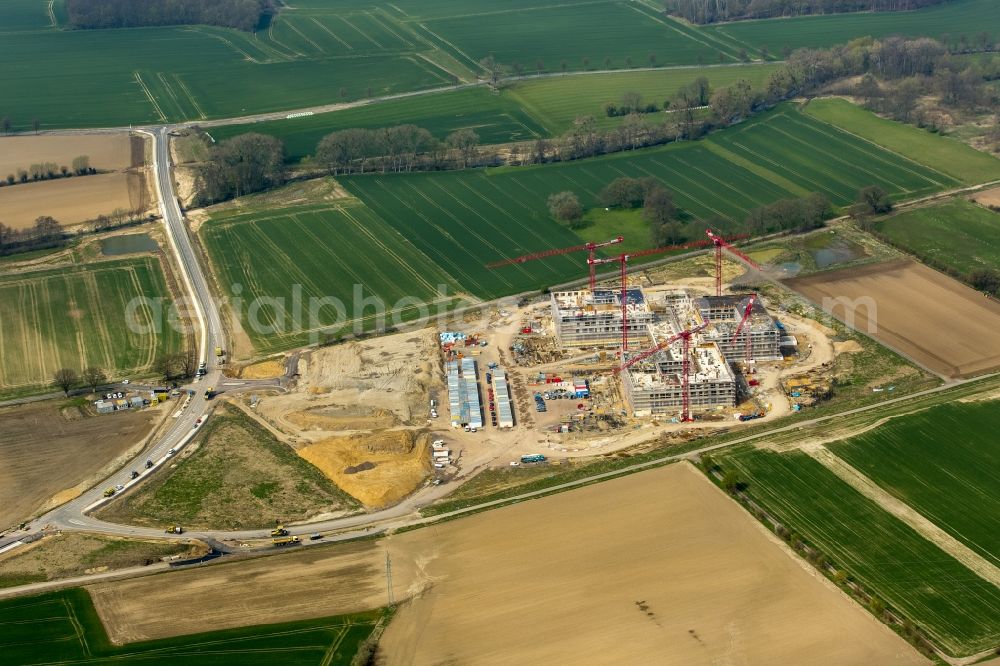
(279, 531)
(109, 492)
(285, 540)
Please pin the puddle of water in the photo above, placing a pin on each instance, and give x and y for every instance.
(839, 252)
(128, 244)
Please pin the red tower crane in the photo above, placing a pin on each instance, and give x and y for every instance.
(623, 259)
(721, 243)
(685, 337)
(589, 247)
(747, 357)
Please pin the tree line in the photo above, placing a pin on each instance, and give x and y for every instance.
(45, 233)
(712, 11)
(50, 170)
(241, 165)
(246, 15)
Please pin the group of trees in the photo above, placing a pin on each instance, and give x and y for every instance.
(7, 125)
(244, 164)
(801, 214)
(68, 378)
(49, 170)
(631, 102)
(247, 15)
(44, 233)
(181, 365)
(396, 149)
(711, 11)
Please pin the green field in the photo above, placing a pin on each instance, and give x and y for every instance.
(556, 101)
(946, 155)
(160, 74)
(554, 33)
(956, 608)
(822, 158)
(78, 316)
(958, 234)
(968, 17)
(945, 463)
(313, 252)
(63, 627)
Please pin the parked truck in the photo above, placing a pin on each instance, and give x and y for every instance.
(218, 351)
(285, 540)
(209, 392)
(533, 458)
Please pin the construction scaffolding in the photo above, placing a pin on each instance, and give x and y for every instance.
(594, 318)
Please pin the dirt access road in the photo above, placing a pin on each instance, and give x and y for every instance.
(936, 321)
(579, 576)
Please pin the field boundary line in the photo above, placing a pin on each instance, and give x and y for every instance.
(149, 95)
(904, 512)
(885, 148)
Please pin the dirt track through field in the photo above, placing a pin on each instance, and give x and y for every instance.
(659, 566)
(933, 319)
(905, 513)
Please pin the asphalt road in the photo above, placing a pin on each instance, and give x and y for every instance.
(204, 310)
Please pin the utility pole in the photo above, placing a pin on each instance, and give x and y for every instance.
(388, 578)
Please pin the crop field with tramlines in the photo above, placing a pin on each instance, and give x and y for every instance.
(272, 258)
(943, 462)
(959, 610)
(823, 158)
(947, 156)
(959, 17)
(63, 627)
(576, 36)
(78, 317)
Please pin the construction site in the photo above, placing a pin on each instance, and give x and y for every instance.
(632, 353)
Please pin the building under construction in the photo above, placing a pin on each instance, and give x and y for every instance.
(726, 312)
(594, 318)
(653, 387)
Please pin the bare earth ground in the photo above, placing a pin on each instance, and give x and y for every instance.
(357, 403)
(71, 200)
(317, 582)
(623, 572)
(107, 152)
(612, 573)
(400, 460)
(262, 370)
(988, 197)
(940, 323)
(69, 554)
(52, 453)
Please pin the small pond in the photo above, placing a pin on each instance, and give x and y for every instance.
(128, 244)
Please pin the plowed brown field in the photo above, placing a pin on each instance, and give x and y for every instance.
(71, 200)
(659, 567)
(107, 152)
(48, 451)
(938, 322)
